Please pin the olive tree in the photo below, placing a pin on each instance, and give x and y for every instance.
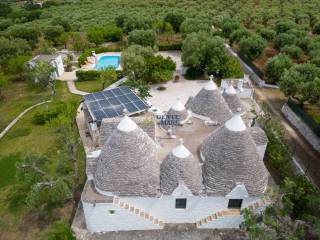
(175, 19)
(142, 37)
(252, 46)
(302, 82)
(276, 66)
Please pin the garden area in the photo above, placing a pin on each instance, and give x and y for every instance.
(28, 211)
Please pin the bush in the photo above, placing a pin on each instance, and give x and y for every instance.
(90, 75)
(237, 35)
(234, 68)
(276, 66)
(194, 73)
(292, 51)
(316, 28)
(175, 19)
(83, 58)
(59, 231)
(169, 46)
(229, 26)
(253, 46)
(142, 37)
(316, 60)
(284, 39)
(191, 25)
(267, 33)
(158, 69)
(283, 26)
(304, 42)
(42, 118)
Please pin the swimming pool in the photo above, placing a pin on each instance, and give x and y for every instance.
(108, 61)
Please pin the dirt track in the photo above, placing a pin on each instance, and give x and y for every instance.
(303, 152)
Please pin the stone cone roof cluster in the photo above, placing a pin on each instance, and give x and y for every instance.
(230, 156)
(210, 103)
(128, 164)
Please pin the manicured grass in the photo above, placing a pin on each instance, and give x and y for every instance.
(89, 86)
(26, 137)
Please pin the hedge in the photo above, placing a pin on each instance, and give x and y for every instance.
(83, 57)
(169, 47)
(92, 75)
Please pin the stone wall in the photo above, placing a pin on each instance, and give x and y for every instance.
(301, 126)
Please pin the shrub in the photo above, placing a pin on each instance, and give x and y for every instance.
(158, 69)
(304, 42)
(113, 33)
(283, 26)
(169, 46)
(229, 26)
(292, 51)
(316, 60)
(316, 28)
(237, 35)
(194, 73)
(267, 33)
(276, 66)
(175, 19)
(60, 230)
(191, 25)
(284, 39)
(234, 68)
(45, 116)
(142, 37)
(253, 46)
(90, 75)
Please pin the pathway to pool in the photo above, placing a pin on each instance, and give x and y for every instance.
(70, 78)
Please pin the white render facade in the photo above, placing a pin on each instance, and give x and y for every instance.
(199, 208)
(141, 205)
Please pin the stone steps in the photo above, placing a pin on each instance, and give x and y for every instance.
(138, 212)
(232, 212)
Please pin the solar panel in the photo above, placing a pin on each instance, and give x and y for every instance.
(111, 103)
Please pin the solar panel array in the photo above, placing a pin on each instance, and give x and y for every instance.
(111, 103)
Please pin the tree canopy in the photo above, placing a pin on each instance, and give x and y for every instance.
(302, 82)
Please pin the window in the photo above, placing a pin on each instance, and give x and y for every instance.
(181, 203)
(235, 203)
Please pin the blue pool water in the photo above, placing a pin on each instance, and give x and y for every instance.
(108, 61)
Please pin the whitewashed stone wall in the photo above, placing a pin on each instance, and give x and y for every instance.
(301, 126)
(98, 218)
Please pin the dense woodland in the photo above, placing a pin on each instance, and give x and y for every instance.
(281, 38)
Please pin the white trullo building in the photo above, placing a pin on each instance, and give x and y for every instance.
(141, 179)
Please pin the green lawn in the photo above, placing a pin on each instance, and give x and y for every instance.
(26, 137)
(17, 97)
(89, 86)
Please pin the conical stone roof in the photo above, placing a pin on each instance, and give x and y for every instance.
(210, 103)
(233, 100)
(178, 109)
(127, 165)
(180, 165)
(230, 157)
